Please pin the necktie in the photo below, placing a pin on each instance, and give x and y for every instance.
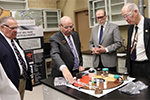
(22, 62)
(133, 48)
(76, 61)
(101, 33)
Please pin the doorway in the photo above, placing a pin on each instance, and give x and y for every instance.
(82, 27)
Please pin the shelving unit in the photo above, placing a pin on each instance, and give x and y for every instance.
(14, 4)
(48, 67)
(51, 19)
(112, 8)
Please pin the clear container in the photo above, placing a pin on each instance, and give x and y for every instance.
(105, 72)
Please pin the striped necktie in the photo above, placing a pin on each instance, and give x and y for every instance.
(133, 48)
(76, 61)
(22, 62)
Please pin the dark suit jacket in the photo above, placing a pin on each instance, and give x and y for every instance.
(10, 64)
(146, 42)
(62, 54)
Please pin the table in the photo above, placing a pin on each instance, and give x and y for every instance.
(51, 92)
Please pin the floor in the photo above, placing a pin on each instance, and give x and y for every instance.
(36, 94)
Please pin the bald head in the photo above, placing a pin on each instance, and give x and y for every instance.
(66, 25)
(65, 20)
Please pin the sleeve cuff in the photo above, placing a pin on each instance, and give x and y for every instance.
(61, 67)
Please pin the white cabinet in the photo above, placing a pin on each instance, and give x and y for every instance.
(14, 4)
(112, 8)
(51, 19)
(48, 66)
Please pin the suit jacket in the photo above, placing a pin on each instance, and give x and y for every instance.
(146, 42)
(61, 53)
(7, 89)
(111, 40)
(10, 64)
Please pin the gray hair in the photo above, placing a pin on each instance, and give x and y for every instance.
(4, 19)
(132, 6)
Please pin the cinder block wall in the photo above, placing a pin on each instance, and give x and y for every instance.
(42, 4)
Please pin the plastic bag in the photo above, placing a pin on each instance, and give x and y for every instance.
(133, 87)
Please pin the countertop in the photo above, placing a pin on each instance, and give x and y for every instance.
(144, 95)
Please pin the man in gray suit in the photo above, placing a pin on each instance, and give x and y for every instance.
(65, 50)
(104, 42)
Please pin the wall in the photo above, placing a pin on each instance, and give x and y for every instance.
(68, 7)
(44, 4)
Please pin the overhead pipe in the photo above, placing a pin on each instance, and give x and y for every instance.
(141, 7)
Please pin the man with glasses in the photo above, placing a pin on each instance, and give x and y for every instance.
(12, 57)
(65, 50)
(104, 42)
(138, 42)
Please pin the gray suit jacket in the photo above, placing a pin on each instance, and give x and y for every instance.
(111, 40)
(61, 53)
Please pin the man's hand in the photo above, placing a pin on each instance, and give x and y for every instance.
(98, 50)
(81, 68)
(67, 75)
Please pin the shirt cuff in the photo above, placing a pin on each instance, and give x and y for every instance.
(106, 50)
(61, 67)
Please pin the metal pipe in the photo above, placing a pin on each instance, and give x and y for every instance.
(141, 7)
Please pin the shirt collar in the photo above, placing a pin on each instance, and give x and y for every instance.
(141, 23)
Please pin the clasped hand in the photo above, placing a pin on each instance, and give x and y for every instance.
(98, 50)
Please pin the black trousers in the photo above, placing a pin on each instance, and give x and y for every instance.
(111, 69)
(140, 69)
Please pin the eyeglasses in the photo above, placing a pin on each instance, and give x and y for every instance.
(67, 27)
(12, 28)
(100, 17)
(128, 15)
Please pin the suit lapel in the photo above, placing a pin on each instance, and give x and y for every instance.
(106, 31)
(3, 40)
(146, 32)
(64, 41)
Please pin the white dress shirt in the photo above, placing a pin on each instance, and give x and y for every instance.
(140, 47)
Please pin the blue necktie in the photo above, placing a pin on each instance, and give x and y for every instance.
(76, 61)
(100, 35)
(22, 62)
(133, 48)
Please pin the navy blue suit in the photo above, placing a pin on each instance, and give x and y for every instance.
(10, 64)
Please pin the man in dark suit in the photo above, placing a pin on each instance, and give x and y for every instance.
(65, 50)
(104, 45)
(138, 46)
(19, 75)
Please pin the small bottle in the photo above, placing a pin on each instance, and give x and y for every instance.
(91, 72)
(125, 76)
(90, 85)
(105, 72)
(97, 83)
(98, 71)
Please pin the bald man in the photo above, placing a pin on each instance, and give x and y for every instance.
(138, 65)
(65, 50)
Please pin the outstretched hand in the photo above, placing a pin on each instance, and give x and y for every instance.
(67, 75)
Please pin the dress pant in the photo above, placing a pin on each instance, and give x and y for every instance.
(22, 85)
(140, 69)
(111, 69)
